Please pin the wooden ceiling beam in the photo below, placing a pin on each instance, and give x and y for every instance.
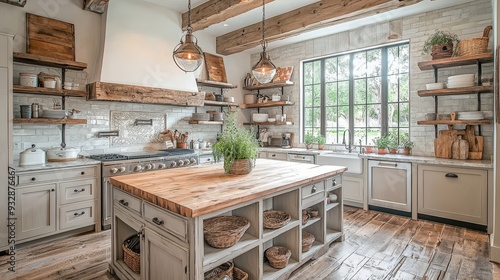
(96, 6)
(216, 11)
(314, 16)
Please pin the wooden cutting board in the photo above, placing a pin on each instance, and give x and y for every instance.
(442, 146)
(49, 37)
(460, 149)
(215, 68)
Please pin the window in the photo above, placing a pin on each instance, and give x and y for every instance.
(365, 91)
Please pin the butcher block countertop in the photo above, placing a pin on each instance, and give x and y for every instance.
(199, 190)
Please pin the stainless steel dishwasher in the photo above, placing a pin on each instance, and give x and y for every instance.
(389, 186)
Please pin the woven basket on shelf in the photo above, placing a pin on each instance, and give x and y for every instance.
(226, 268)
(131, 259)
(307, 241)
(278, 256)
(305, 218)
(476, 45)
(239, 274)
(275, 219)
(224, 231)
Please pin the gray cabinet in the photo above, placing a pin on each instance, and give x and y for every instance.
(36, 211)
(453, 193)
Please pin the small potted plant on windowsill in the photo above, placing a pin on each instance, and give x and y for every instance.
(309, 140)
(321, 140)
(382, 143)
(440, 44)
(392, 143)
(406, 144)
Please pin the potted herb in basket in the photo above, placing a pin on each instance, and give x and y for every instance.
(382, 143)
(309, 140)
(236, 145)
(406, 144)
(321, 140)
(440, 44)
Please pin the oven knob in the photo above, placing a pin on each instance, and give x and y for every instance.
(186, 162)
(180, 162)
(192, 160)
(121, 169)
(161, 166)
(173, 164)
(137, 168)
(113, 170)
(149, 166)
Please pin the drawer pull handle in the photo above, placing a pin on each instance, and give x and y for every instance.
(313, 190)
(334, 183)
(273, 155)
(83, 173)
(158, 221)
(82, 190)
(79, 214)
(123, 202)
(388, 164)
(451, 175)
(53, 190)
(33, 179)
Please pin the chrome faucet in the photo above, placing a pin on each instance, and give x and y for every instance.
(348, 146)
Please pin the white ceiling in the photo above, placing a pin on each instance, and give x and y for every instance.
(281, 6)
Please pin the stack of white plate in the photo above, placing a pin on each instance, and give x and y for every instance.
(54, 114)
(465, 80)
(472, 115)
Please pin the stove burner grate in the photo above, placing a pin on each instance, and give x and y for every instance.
(108, 157)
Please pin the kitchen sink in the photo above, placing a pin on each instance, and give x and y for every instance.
(352, 161)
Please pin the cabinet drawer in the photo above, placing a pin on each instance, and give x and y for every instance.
(333, 182)
(453, 193)
(77, 191)
(127, 201)
(77, 215)
(59, 175)
(312, 193)
(277, 156)
(176, 226)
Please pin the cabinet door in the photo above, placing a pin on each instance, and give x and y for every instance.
(35, 211)
(4, 47)
(163, 259)
(4, 143)
(353, 190)
(453, 193)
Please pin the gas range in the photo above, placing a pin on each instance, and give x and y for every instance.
(135, 162)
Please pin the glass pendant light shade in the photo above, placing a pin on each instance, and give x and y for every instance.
(187, 54)
(264, 70)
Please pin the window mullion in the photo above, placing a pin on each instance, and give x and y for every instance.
(351, 96)
(323, 99)
(385, 90)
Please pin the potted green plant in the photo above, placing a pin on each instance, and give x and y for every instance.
(321, 140)
(440, 44)
(236, 145)
(382, 143)
(392, 144)
(407, 144)
(309, 140)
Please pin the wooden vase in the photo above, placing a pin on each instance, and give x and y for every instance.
(241, 166)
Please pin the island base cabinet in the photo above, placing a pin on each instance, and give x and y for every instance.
(36, 211)
(453, 193)
(124, 226)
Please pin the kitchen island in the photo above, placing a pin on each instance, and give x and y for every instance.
(167, 209)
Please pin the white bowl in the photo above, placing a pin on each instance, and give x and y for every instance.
(260, 117)
(434, 86)
(462, 77)
(271, 119)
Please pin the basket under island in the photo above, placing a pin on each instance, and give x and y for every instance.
(166, 208)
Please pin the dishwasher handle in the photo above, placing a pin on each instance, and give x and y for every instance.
(451, 175)
(387, 164)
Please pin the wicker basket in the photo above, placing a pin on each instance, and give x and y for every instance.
(307, 241)
(224, 231)
(278, 256)
(305, 218)
(275, 219)
(241, 166)
(476, 45)
(226, 268)
(239, 274)
(132, 259)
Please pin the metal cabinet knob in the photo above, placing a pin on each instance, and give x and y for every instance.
(33, 179)
(313, 190)
(334, 183)
(83, 173)
(52, 190)
(123, 202)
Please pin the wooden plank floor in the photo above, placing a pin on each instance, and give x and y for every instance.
(376, 246)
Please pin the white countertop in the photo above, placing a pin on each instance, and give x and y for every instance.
(431, 160)
(55, 165)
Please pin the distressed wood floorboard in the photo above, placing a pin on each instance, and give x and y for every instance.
(376, 246)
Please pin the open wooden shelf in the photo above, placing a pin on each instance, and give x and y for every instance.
(49, 91)
(49, 61)
(455, 122)
(331, 205)
(219, 103)
(206, 122)
(269, 85)
(268, 123)
(50, 121)
(455, 61)
(213, 256)
(267, 104)
(209, 83)
(455, 91)
(273, 273)
(311, 221)
(272, 233)
(315, 247)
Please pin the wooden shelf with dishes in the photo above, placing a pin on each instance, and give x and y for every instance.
(455, 122)
(49, 61)
(206, 122)
(267, 104)
(269, 85)
(268, 123)
(220, 103)
(50, 121)
(456, 61)
(455, 91)
(49, 91)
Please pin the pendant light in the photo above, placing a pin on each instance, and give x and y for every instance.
(187, 54)
(264, 70)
